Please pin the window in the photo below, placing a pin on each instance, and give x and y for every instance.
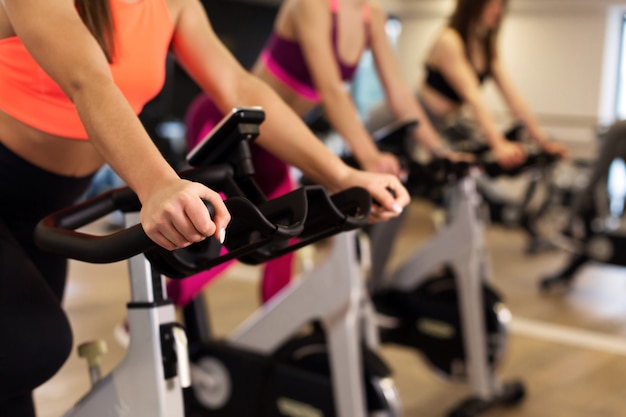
(621, 79)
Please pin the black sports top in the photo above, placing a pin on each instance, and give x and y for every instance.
(436, 81)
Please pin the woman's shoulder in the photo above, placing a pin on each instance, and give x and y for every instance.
(447, 46)
(449, 39)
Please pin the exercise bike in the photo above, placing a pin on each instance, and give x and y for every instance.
(302, 353)
(526, 211)
(440, 302)
(150, 379)
(601, 237)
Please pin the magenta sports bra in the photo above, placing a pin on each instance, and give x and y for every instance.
(285, 60)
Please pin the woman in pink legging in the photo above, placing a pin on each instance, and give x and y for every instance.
(308, 69)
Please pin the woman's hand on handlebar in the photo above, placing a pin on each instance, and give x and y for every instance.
(554, 148)
(382, 162)
(386, 190)
(508, 154)
(454, 156)
(175, 216)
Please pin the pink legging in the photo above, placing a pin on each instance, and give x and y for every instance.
(274, 180)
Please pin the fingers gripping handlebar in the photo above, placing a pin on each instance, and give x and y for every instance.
(57, 232)
(255, 233)
(259, 229)
(425, 176)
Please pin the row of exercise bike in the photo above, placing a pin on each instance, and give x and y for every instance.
(312, 350)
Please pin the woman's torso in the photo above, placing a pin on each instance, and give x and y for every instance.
(65, 151)
(349, 36)
(436, 93)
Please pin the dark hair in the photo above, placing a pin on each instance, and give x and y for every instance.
(463, 19)
(96, 14)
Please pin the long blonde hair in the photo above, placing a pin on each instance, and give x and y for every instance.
(96, 14)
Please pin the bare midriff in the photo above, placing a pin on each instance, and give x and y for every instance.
(56, 154)
(297, 103)
(437, 104)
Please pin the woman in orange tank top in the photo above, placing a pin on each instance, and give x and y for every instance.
(72, 84)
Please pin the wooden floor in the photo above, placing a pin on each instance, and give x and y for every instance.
(569, 349)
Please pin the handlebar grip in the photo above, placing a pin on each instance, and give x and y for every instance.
(327, 216)
(533, 159)
(56, 234)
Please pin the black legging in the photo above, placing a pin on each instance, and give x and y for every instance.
(36, 336)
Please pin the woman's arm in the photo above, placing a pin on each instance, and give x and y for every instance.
(521, 110)
(448, 56)
(312, 21)
(283, 133)
(173, 214)
(399, 98)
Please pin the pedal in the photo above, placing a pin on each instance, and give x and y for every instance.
(93, 351)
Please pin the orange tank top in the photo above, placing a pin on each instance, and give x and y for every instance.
(143, 31)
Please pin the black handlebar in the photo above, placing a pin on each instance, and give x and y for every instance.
(56, 234)
(251, 226)
(534, 158)
(425, 177)
(259, 229)
(327, 216)
(254, 235)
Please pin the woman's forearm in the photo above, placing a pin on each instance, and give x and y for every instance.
(344, 118)
(486, 123)
(123, 142)
(284, 134)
